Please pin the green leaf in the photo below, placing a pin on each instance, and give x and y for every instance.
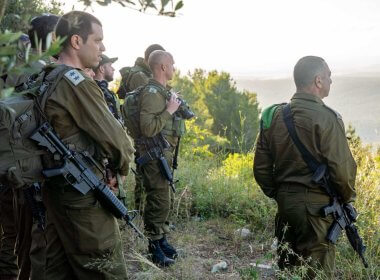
(8, 50)
(8, 37)
(6, 92)
(178, 6)
(164, 3)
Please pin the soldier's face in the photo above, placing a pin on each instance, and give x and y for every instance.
(108, 71)
(169, 69)
(326, 82)
(90, 51)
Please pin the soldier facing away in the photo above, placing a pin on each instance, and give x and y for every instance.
(79, 230)
(283, 174)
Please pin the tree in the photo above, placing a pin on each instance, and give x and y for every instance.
(220, 107)
(18, 13)
(235, 114)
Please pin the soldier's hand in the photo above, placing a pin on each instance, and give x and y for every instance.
(112, 181)
(173, 104)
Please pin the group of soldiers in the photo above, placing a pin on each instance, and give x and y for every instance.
(87, 116)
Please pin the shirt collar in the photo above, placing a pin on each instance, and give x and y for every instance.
(307, 97)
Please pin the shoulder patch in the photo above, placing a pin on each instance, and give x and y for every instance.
(339, 116)
(74, 77)
(267, 115)
(152, 89)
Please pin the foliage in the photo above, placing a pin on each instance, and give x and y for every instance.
(11, 63)
(220, 107)
(18, 13)
(220, 185)
(162, 7)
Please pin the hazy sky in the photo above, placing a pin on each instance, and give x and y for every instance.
(259, 38)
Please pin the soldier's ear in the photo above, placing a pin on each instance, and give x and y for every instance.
(101, 68)
(76, 41)
(318, 82)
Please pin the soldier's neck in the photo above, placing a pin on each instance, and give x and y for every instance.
(160, 79)
(70, 60)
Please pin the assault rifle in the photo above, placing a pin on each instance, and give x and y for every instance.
(155, 150)
(77, 172)
(344, 214)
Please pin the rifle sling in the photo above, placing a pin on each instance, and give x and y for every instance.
(311, 162)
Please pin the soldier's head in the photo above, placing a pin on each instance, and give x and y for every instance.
(162, 65)
(41, 31)
(83, 46)
(105, 70)
(150, 49)
(312, 75)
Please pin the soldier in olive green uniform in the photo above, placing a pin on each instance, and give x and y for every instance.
(157, 108)
(31, 240)
(103, 75)
(138, 76)
(83, 238)
(8, 259)
(282, 173)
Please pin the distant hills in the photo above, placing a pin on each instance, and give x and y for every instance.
(355, 97)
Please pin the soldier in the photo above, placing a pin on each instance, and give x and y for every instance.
(282, 173)
(159, 130)
(138, 76)
(31, 240)
(103, 75)
(80, 232)
(8, 259)
(9, 269)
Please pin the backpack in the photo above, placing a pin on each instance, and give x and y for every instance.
(126, 76)
(130, 111)
(20, 116)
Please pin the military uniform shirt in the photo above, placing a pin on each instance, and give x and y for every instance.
(78, 111)
(321, 130)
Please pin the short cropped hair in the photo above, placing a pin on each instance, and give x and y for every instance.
(157, 58)
(306, 69)
(152, 48)
(75, 23)
(40, 27)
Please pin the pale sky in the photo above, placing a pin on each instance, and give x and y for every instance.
(255, 38)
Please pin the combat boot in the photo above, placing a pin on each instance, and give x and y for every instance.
(158, 256)
(168, 249)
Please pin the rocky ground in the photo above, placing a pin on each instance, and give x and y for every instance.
(213, 249)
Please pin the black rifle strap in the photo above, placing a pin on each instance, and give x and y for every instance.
(311, 162)
(176, 152)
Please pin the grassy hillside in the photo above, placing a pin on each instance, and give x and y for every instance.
(217, 195)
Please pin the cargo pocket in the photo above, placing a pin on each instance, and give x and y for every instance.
(319, 224)
(95, 228)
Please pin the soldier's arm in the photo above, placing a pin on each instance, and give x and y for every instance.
(337, 155)
(263, 166)
(89, 111)
(137, 80)
(153, 114)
